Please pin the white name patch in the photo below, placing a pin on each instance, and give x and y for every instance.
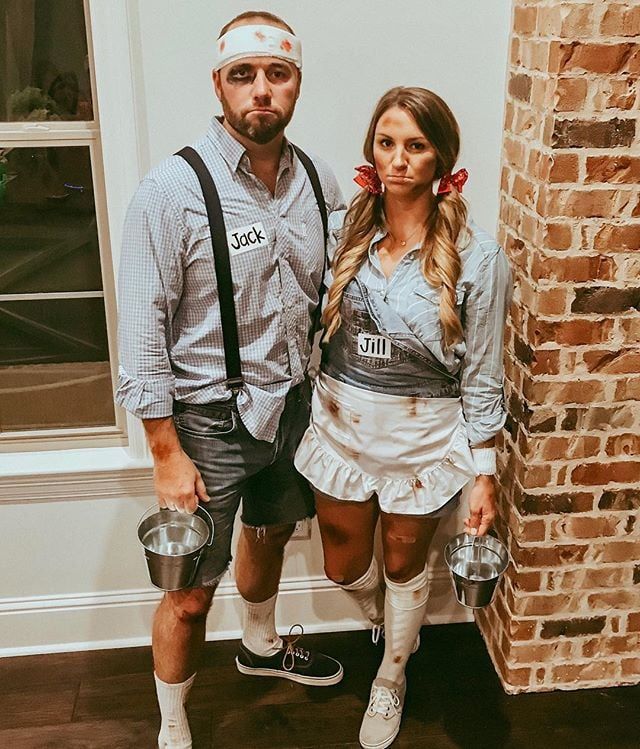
(376, 346)
(246, 238)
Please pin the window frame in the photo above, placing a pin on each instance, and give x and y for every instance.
(115, 162)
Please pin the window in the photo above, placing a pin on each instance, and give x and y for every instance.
(56, 286)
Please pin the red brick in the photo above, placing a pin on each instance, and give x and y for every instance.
(630, 329)
(570, 94)
(589, 474)
(623, 444)
(514, 53)
(514, 152)
(630, 666)
(520, 87)
(621, 20)
(564, 392)
(614, 93)
(569, 332)
(583, 203)
(564, 448)
(524, 19)
(557, 556)
(552, 504)
(535, 653)
(577, 672)
(564, 168)
(628, 390)
(572, 627)
(576, 269)
(583, 527)
(522, 629)
(552, 301)
(571, 133)
(611, 645)
(592, 57)
(545, 605)
(614, 599)
(588, 578)
(633, 622)
(558, 236)
(616, 551)
(613, 169)
(606, 300)
(612, 362)
(528, 581)
(524, 190)
(619, 499)
(613, 238)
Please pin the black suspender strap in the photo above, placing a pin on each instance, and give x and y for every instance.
(222, 265)
(312, 173)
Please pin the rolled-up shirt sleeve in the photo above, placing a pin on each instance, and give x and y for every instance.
(482, 369)
(152, 241)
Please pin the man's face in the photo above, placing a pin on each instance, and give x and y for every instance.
(258, 96)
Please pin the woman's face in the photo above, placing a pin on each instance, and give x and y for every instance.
(403, 157)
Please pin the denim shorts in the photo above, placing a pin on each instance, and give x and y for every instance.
(235, 466)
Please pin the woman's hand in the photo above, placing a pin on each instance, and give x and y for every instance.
(482, 506)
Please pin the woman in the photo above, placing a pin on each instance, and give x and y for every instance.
(409, 398)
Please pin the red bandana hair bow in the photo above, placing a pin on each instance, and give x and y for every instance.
(368, 179)
(449, 181)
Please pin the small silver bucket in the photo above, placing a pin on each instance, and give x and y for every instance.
(476, 564)
(173, 542)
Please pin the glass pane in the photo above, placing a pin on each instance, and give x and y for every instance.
(44, 64)
(54, 365)
(48, 235)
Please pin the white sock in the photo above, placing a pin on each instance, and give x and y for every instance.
(368, 594)
(404, 610)
(259, 633)
(174, 728)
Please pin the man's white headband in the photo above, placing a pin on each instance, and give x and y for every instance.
(258, 41)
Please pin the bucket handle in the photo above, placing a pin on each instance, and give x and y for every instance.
(204, 514)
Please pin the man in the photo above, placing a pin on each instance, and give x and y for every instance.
(210, 444)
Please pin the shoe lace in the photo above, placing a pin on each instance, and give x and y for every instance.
(377, 631)
(293, 651)
(383, 701)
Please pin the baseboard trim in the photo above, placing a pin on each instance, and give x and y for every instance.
(118, 619)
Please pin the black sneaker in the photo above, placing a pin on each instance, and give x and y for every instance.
(292, 662)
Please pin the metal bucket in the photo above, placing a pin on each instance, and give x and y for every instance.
(173, 542)
(476, 564)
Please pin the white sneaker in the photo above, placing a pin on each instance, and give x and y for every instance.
(377, 632)
(381, 721)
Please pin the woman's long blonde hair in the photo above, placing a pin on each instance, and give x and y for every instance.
(439, 253)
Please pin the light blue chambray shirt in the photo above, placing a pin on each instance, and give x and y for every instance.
(170, 337)
(483, 295)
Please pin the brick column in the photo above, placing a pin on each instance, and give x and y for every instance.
(568, 614)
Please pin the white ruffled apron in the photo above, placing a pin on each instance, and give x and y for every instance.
(412, 452)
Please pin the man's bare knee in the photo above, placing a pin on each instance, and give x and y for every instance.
(190, 605)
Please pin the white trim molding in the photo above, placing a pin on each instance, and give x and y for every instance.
(115, 619)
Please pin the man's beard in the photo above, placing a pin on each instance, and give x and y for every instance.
(264, 129)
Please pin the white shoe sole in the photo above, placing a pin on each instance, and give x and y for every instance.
(310, 681)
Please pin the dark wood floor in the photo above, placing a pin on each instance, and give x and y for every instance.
(106, 699)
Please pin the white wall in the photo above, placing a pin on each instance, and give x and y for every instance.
(72, 573)
(353, 52)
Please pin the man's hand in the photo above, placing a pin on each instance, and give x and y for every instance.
(177, 481)
(482, 506)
